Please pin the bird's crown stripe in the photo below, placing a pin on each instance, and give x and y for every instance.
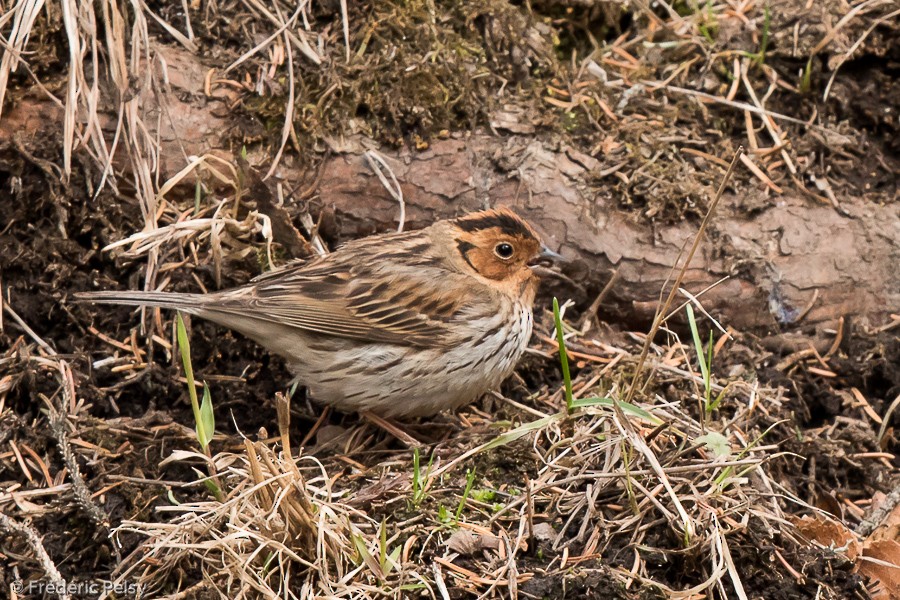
(507, 223)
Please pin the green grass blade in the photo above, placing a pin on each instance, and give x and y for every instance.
(520, 431)
(563, 356)
(707, 381)
(416, 479)
(382, 544)
(698, 345)
(470, 481)
(764, 44)
(198, 196)
(627, 408)
(184, 346)
(393, 559)
(206, 426)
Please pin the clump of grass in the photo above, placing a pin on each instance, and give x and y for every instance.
(421, 481)
(387, 560)
(280, 529)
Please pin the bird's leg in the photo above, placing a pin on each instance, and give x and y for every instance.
(315, 428)
(393, 429)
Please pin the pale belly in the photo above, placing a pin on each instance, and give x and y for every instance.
(400, 381)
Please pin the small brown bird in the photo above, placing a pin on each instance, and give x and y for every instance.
(401, 324)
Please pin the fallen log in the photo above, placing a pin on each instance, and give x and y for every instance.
(792, 262)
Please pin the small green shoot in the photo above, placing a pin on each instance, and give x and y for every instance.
(470, 481)
(704, 358)
(485, 495)
(382, 545)
(207, 419)
(386, 561)
(444, 515)
(764, 43)
(563, 357)
(267, 565)
(626, 450)
(198, 196)
(759, 57)
(420, 481)
(806, 78)
(363, 552)
(209, 484)
(203, 415)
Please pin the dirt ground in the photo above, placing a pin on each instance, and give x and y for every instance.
(532, 516)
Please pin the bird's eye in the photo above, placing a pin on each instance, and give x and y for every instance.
(503, 250)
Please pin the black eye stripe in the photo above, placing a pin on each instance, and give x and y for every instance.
(464, 248)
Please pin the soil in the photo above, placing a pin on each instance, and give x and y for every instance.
(129, 421)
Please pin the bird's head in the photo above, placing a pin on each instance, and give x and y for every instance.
(498, 244)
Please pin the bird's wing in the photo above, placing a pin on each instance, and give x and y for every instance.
(358, 301)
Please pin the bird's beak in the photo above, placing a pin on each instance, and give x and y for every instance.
(544, 256)
(549, 254)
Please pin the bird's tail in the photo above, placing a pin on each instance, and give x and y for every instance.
(189, 303)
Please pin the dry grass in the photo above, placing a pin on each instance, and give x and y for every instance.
(603, 480)
(281, 530)
(628, 470)
(644, 473)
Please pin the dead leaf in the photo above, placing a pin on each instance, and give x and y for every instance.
(328, 434)
(886, 577)
(544, 532)
(826, 501)
(829, 534)
(467, 543)
(512, 120)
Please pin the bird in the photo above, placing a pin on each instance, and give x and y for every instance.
(398, 325)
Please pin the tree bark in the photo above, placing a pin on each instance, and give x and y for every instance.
(796, 262)
(792, 262)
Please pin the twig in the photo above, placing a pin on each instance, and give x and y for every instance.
(760, 174)
(31, 537)
(738, 105)
(660, 314)
(80, 490)
(887, 418)
(870, 523)
(768, 123)
(28, 330)
(591, 312)
(376, 163)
